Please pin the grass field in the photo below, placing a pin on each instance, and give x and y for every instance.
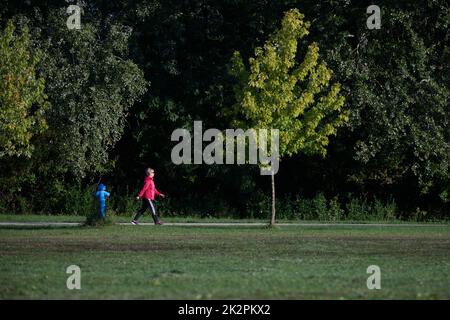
(147, 218)
(174, 262)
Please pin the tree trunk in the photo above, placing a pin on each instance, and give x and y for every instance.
(272, 221)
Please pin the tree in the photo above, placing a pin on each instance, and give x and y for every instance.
(91, 84)
(400, 97)
(276, 92)
(22, 98)
(92, 97)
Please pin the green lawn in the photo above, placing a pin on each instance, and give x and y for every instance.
(147, 218)
(174, 262)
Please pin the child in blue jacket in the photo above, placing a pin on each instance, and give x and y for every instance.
(102, 195)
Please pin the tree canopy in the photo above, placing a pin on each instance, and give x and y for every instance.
(22, 98)
(103, 100)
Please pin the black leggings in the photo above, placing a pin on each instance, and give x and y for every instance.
(147, 204)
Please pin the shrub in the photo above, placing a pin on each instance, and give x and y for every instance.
(258, 206)
(24, 205)
(335, 212)
(420, 215)
(78, 201)
(304, 209)
(285, 207)
(93, 220)
(384, 212)
(319, 207)
(357, 209)
(123, 205)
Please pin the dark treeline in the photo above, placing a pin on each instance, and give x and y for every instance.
(137, 70)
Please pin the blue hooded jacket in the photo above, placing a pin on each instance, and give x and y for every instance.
(101, 194)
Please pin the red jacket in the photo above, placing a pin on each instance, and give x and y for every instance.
(149, 191)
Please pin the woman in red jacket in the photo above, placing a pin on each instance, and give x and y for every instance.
(147, 194)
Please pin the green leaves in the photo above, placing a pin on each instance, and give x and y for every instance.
(91, 85)
(399, 94)
(278, 93)
(22, 98)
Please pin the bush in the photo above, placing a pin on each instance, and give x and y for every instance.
(78, 201)
(391, 210)
(319, 207)
(358, 209)
(259, 206)
(420, 215)
(24, 205)
(335, 212)
(384, 212)
(123, 205)
(4, 208)
(93, 220)
(284, 207)
(304, 209)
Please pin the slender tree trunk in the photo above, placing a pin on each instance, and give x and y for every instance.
(272, 221)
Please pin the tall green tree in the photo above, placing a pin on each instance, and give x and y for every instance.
(276, 92)
(401, 100)
(91, 84)
(22, 98)
(397, 87)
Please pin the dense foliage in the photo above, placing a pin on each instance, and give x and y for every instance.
(22, 97)
(137, 70)
(275, 92)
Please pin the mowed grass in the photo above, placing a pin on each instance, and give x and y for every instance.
(123, 218)
(174, 262)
